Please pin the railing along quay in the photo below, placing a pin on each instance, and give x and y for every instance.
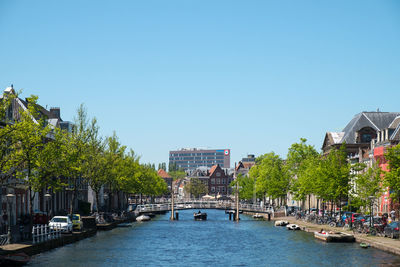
(42, 233)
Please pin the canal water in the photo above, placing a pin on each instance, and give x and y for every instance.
(215, 242)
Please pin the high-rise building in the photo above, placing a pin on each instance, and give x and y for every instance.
(192, 158)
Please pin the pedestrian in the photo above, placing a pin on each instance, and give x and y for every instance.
(393, 215)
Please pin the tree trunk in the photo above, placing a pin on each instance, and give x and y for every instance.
(97, 192)
(71, 208)
(119, 200)
(309, 204)
(31, 198)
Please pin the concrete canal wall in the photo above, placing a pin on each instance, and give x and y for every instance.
(89, 224)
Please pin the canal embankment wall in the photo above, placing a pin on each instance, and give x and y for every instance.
(90, 229)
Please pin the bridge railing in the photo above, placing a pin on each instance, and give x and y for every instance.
(201, 204)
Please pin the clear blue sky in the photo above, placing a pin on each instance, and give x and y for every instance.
(252, 76)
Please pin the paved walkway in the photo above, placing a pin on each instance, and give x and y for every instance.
(383, 243)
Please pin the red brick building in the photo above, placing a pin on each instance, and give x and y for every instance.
(219, 181)
(386, 138)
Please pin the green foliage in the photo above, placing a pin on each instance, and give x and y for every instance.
(175, 175)
(196, 188)
(392, 177)
(302, 163)
(367, 183)
(27, 145)
(271, 176)
(247, 186)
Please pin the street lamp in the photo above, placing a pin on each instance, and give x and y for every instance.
(10, 198)
(47, 197)
(371, 199)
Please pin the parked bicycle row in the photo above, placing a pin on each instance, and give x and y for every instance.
(359, 223)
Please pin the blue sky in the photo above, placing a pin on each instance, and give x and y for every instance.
(252, 76)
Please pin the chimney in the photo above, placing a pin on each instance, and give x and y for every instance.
(55, 113)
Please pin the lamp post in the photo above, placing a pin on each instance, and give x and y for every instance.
(172, 202)
(47, 197)
(10, 198)
(371, 199)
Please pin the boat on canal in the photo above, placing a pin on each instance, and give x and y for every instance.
(258, 216)
(281, 223)
(143, 218)
(200, 216)
(334, 236)
(17, 259)
(293, 227)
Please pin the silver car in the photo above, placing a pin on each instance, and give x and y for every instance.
(62, 223)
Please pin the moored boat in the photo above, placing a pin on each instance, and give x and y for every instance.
(364, 245)
(143, 218)
(293, 227)
(200, 216)
(334, 236)
(258, 216)
(17, 259)
(281, 223)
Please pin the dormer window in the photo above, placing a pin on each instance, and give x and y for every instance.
(366, 138)
(365, 135)
(218, 174)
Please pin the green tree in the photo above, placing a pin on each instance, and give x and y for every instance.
(271, 176)
(246, 186)
(196, 188)
(301, 160)
(392, 177)
(75, 148)
(29, 137)
(367, 182)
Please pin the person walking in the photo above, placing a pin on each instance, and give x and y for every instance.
(393, 215)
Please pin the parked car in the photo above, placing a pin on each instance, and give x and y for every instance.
(76, 222)
(377, 221)
(392, 230)
(355, 217)
(62, 223)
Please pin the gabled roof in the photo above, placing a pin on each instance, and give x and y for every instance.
(239, 166)
(333, 138)
(375, 120)
(163, 174)
(396, 126)
(213, 169)
(248, 165)
(395, 123)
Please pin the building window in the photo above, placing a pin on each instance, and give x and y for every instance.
(218, 181)
(213, 180)
(218, 174)
(212, 189)
(366, 138)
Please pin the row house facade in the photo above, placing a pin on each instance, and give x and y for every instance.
(54, 203)
(386, 138)
(216, 179)
(366, 137)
